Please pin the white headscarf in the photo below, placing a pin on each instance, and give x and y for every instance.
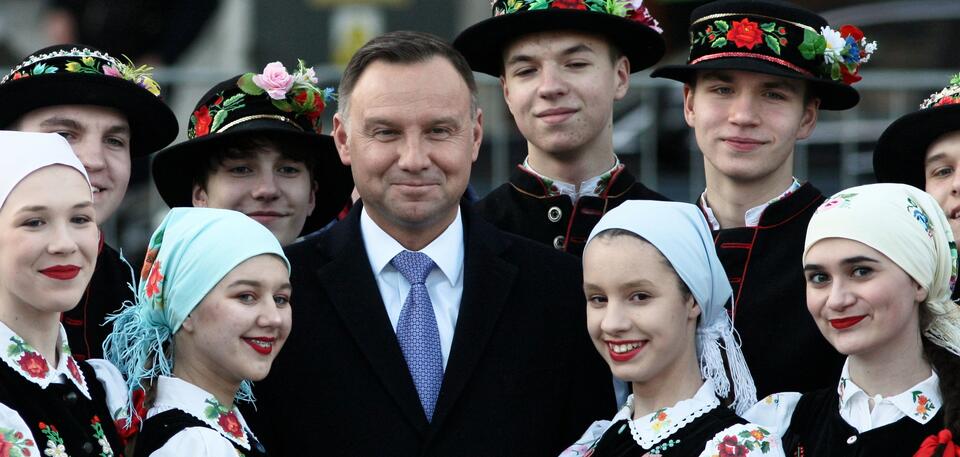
(908, 226)
(680, 232)
(22, 153)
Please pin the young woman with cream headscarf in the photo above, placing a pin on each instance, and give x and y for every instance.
(880, 264)
(51, 404)
(655, 293)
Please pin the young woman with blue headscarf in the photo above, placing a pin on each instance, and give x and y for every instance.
(655, 293)
(51, 404)
(880, 264)
(212, 313)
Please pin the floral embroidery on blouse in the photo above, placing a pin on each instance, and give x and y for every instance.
(105, 449)
(29, 363)
(739, 441)
(924, 405)
(659, 418)
(594, 187)
(15, 444)
(226, 420)
(55, 447)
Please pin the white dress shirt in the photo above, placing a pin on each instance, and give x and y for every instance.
(444, 283)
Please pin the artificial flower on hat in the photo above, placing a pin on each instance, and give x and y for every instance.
(293, 93)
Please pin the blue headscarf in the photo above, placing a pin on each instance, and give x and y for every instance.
(189, 253)
(679, 231)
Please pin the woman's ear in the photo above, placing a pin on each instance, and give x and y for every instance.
(921, 293)
(693, 307)
(187, 325)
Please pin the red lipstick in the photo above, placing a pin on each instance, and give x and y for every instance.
(845, 322)
(62, 272)
(624, 356)
(263, 345)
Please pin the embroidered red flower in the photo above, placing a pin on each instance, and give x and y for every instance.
(34, 365)
(948, 101)
(19, 75)
(201, 126)
(569, 5)
(745, 34)
(148, 262)
(230, 424)
(153, 283)
(731, 447)
(74, 370)
(5, 447)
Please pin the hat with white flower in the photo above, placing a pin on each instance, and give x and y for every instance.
(627, 24)
(776, 38)
(275, 104)
(902, 148)
(73, 74)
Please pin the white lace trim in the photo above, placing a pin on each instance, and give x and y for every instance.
(666, 432)
(74, 52)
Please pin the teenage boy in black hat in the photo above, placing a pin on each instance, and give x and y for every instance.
(255, 146)
(562, 65)
(757, 75)
(109, 111)
(922, 149)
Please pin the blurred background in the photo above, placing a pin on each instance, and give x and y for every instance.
(196, 43)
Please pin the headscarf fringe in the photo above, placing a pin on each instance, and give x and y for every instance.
(944, 328)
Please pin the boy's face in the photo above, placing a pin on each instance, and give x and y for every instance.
(560, 87)
(747, 123)
(262, 183)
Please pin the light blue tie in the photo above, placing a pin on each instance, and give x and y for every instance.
(417, 330)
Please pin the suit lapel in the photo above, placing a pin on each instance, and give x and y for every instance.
(487, 284)
(355, 296)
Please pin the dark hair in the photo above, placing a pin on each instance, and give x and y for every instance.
(246, 146)
(947, 366)
(615, 232)
(403, 47)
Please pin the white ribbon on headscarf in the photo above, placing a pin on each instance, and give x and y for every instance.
(22, 153)
(680, 232)
(908, 226)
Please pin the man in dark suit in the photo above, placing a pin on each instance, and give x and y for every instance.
(419, 328)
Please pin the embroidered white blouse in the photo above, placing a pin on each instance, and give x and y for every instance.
(26, 361)
(920, 403)
(227, 422)
(657, 427)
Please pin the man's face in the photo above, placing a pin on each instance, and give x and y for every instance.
(747, 124)
(560, 87)
(100, 138)
(941, 177)
(410, 139)
(262, 183)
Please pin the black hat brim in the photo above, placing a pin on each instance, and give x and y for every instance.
(902, 148)
(484, 42)
(152, 124)
(833, 95)
(175, 167)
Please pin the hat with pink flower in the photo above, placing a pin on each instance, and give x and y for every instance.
(73, 74)
(275, 104)
(627, 24)
(776, 38)
(902, 148)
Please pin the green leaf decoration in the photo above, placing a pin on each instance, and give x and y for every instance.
(768, 27)
(245, 83)
(536, 5)
(765, 447)
(748, 444)
(234, 100)
(282, 105)
(721, 25)
(955, 79)
(211, 411)
(13, 350)
(744, 434)
(835, 72)
(617, 7)
(719, 43)
(773, 43)
(813, 45)
(218, 119)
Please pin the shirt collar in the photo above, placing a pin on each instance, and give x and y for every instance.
(446, 250)
(920, 402)
(752, 216)
(593, 187)
(186, 397)
(653, 428)
(28, 363)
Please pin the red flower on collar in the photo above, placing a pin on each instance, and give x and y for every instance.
(745, 34)
(34, 365)
(731, 447)
(230, 424)
(74, 370)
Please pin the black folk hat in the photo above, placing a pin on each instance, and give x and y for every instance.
(775, 38)
(274, 104)
(73, 74)
(628, 25)
(902, 148)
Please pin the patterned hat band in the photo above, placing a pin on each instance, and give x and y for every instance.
(83, 62)
(949, 95)
(825, 53)
(256, 117)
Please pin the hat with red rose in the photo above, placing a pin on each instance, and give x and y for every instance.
(902, 148)
(627, 24)
(73, 74)
(274, 104)
(775, 38)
